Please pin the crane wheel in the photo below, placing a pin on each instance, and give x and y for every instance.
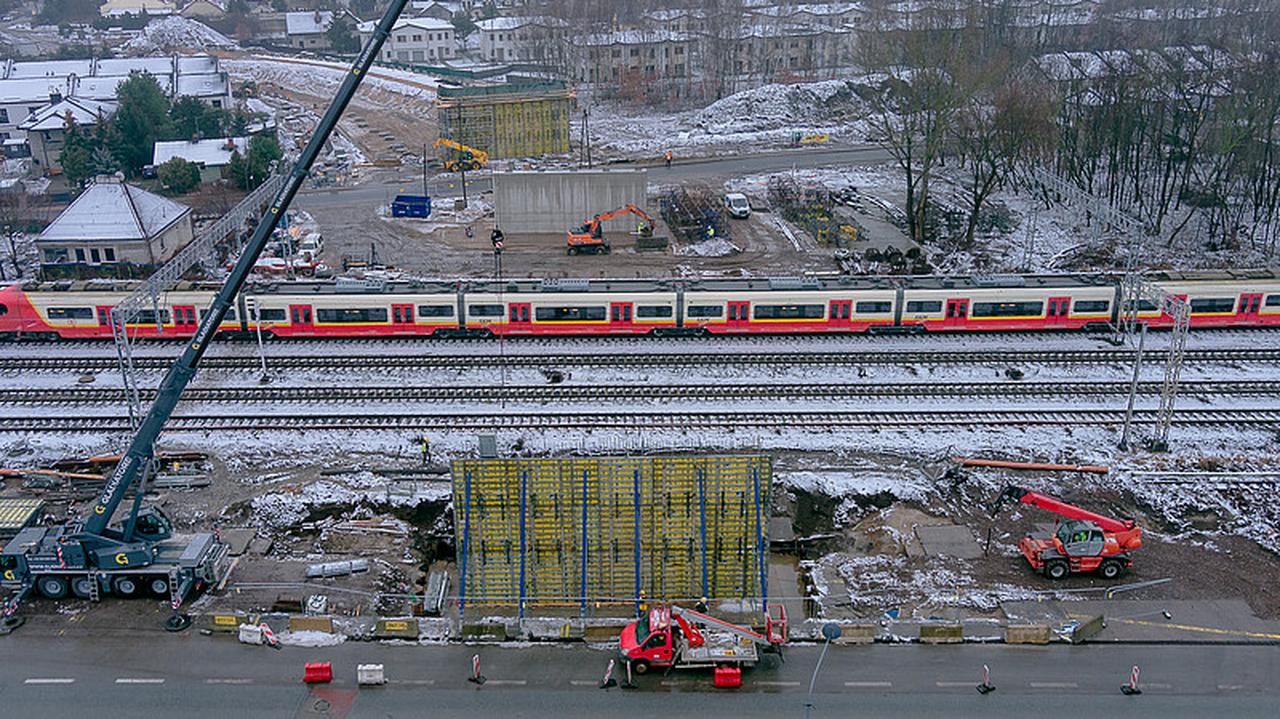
(53, 587)
(1110, 569)
(640, 666)
(82, 587)
(125, 586)
(159, 586)
(1056, 569)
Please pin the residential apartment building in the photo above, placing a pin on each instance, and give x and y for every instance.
(522, 39)
(416, 40)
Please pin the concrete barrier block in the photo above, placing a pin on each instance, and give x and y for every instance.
(949, 633)
(1027, 634)
(1086, 629)
(857, 634)
(396, 629)
(226, 623)
(311, 624)
(490, 632)
(598, 634)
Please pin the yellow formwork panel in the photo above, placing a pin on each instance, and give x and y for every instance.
(565, 531)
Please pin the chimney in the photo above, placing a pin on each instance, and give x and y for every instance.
(55, 97)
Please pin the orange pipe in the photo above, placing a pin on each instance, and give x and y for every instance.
(1002, 464)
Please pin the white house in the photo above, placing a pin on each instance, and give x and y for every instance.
(306, 30)
(112, 222)
(423, 39)
(121, 8)
(46, 129)
(211, 155)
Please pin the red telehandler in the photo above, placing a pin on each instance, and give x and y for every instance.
(1086, 542)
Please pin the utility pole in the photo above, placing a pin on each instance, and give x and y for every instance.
(1133, 389)
(424, 169)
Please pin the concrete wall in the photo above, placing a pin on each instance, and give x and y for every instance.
(556, 201)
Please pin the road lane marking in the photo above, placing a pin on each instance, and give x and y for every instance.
(415, 682)
(669, 683)
(583, 682)
(228, 681)
(955, 684)
(50, 680)
(777, 684)
(1200, 630)
(139, 680)
(515, 682)
(1230, 687)
(868, 684)
(1054, 685)
(1155, 685)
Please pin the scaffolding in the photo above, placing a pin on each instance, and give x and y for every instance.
(511, 120)
(612, 530)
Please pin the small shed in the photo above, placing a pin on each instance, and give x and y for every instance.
(212, 156)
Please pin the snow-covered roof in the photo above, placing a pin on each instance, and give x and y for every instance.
(109, 209)
(50, 68)
(310, 22)
(118, 8)
(422, 23)
(83, 111)
(37, 90)
(633, 37)
(210, 153)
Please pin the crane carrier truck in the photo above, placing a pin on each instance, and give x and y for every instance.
(141, 554)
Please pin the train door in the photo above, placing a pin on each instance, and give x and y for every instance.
(1249, 307)
(1058, 308)
(104, 317)
(518, 315)
(620, 313)
(300, 318)
(957, 313)
(840, 313)
(402, 317)
(739, 314)
(184, 319)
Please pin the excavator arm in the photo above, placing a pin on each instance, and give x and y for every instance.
(1013, 494)
(628, 209)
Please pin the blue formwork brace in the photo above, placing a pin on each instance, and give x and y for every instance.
(583, 590)
(762, 548)
(636, 496)
(524, 475)
(466, 540)
(702, 520)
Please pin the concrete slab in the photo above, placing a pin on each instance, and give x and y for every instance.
(950, 540)
(238, 539)
(781, 530)
(784, 584)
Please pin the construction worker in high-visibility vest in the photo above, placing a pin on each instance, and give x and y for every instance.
(426, 450)
(668, 158)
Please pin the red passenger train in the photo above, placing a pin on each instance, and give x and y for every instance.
(342, 308)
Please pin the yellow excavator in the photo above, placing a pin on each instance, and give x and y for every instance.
(465, 158)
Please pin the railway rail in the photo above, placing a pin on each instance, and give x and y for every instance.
(647, 359)
(629, 393)
(816, 420)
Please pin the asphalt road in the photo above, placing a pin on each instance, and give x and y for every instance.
(164, 676)
(380, 190)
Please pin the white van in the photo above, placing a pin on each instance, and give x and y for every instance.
(738, 206)
(311, 246)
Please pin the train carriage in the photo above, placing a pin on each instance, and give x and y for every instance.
(787, 305)
(1232, 298)
(1007, 303)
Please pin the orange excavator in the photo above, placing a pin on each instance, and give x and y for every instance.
(589, 237)
(1087, 542)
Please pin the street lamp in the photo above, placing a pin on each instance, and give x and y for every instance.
(831, 632)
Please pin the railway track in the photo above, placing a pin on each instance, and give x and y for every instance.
(630, 393)
(649, 359)
(647, 420)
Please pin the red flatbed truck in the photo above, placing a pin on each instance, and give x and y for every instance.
(678, 638)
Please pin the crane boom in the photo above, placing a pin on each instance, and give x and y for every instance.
(1061, 508)
(142, 447)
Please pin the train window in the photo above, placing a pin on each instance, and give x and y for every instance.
(266, 314)
(651, 311)
(1215, 304)
(1006, 309)
(789, 312)
(1143, 306)
(873, 308)
(348, 316)
(70, 313)
(230, 316)
(924, 306)
(435, 310)
(1272, 301)
(148, 317)
(484, 310)
(1091, 306)
(569, 314)
(706, 311)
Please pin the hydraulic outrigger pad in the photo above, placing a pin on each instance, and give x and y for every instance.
(177, 622)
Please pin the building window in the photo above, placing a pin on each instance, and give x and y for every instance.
(417, 38)
(4, 115)
(109, 254)
(79, 254)
(96, 255)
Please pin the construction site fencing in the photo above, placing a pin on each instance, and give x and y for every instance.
(531, 532)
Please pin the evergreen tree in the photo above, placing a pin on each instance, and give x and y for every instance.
(142, 118)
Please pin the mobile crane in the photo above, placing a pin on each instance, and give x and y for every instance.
(1086, 542)
(94, 556)
(589, 236)
(679, 638)
(468, 158)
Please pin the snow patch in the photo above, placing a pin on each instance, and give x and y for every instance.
(175, 32)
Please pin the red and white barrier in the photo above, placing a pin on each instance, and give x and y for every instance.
(608, 680)
(476, 677)
(986, 687)
(1131, 688)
